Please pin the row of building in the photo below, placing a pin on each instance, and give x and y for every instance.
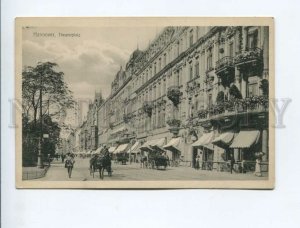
(194, 92)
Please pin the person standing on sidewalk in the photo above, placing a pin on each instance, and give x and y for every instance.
(69, 164)
(197, 166)
(232, 161)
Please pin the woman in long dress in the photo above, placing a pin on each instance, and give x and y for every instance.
(257, 168)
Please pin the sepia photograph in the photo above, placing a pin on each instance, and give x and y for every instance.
(145, 103)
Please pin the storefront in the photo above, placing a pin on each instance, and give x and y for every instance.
(173, 149)
(204, 149)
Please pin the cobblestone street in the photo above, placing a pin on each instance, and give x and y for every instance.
(133, 172)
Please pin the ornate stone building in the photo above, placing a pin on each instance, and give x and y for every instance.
(195, 91)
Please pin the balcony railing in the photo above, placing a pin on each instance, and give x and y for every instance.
(192, 85)
(248, 55)
(224, 63)
(234, 107)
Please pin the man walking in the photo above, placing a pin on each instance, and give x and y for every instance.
(69, 163)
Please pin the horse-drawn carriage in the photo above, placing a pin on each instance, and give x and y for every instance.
(122, 158)
(157, 160)
(100, 163)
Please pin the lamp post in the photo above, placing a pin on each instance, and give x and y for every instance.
(40, 160)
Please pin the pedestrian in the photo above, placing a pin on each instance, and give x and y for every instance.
(69, 163)
(257, 167)
(197, 166)
(232, 161)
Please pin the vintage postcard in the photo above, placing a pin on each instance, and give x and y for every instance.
(145, 103)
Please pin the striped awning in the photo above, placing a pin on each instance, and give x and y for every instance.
(153, 144)
(245, 139)
(98, 150)
(205, 139)
(121, 148)
(111, 149)
(173, 144)
(223, 140)
(134, 148)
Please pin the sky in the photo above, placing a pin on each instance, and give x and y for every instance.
(91, 60)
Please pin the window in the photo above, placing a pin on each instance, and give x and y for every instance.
(209, 59)
(197, 69)
(154, 68)
(191, 72)
(177, 79)
(252, 90)
(252, 39)
(164, 87)
(178, 45)
(231, 49)
(165, 59)
(209, 100)
(191, 38)
(159, 64)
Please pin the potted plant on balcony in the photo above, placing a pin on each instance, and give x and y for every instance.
(174, 94)
(202, 114)
(147, 108)
(174, 125)
(126, 118)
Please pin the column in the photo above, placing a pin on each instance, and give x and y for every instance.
(243, 88)
(265, 145)
(244, 32)
(237, 78)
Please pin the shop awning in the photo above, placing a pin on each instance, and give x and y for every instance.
(158, 144)
(98, 150)
(173, 144)
(134, 148)
(121, 148)
(153, 144)
(111, 149)
(245, 139)
(223, 140)
(204, 140)
(146, 146)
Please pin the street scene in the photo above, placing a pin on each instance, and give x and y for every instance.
(145, 103)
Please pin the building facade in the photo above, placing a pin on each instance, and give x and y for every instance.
(206, 87)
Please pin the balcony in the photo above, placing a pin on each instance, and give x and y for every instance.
(174, 94)
(224, 64)
(147, 107)
(234, 108)
(192, 85)
(249, 55)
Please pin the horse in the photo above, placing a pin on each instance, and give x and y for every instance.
(101, 163)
